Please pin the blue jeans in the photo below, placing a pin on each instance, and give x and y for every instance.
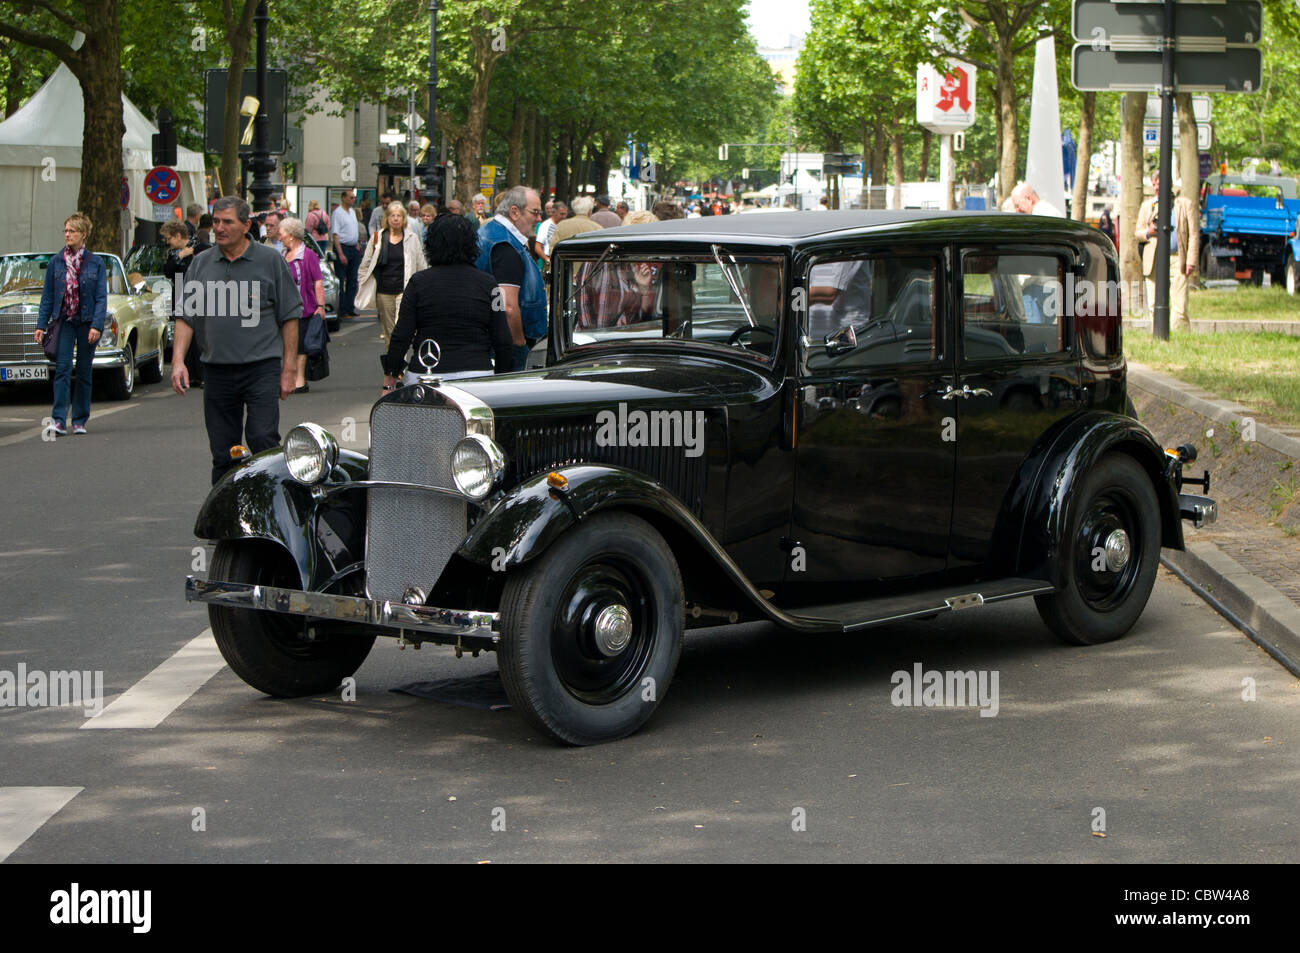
(348, 279)
(70, 336)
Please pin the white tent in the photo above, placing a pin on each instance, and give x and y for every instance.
(40, 165)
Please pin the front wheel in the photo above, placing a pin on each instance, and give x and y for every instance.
(271, 651)
(119, 383)
(1110, 556)
(592, 630)
(1292, 276)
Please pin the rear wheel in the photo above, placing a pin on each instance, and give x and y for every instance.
(269, 650)
(592, 630)
(1216, 269)
(1110, 556)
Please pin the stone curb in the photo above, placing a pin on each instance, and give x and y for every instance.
(1269, 618)
(1207, 405)
(1218, 327)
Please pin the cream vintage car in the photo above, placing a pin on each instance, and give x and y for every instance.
(132, 340)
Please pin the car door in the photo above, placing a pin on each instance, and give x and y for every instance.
(874, 470)
(1018, 377)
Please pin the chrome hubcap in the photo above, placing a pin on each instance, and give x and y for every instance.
(613, 630)
(1118, 550)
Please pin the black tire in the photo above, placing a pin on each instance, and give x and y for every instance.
(266, 649)
(1215, 269)
(152, 370)
(119, 382)
(1292, 276)
(1098, 606)
(1129, 409)
(552, 667)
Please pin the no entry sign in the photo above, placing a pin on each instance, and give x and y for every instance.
(162, 185)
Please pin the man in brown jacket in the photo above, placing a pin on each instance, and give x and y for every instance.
(1185, 251)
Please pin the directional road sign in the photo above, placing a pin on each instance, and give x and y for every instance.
(1236, 70)
(1101, 22)
(162, 185)
(1200, 108)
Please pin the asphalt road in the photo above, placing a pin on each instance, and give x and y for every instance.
(768, 746)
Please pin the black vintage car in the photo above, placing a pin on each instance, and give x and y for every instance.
(828, 420)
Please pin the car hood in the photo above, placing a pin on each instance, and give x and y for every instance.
(583, 387)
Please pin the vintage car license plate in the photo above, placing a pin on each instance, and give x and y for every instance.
(35, 373)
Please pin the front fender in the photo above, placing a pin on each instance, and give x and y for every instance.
(260, 500)
(1076, 449)
(522, 524)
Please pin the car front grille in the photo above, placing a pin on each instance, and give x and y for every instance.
(535, 449)
(411, 534)
(17, 341)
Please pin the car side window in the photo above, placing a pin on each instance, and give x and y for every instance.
(1012, 303)
(889, 302)
(116, 280)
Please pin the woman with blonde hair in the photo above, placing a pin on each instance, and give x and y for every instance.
(76, 294)
(317, 223)
(393, 255)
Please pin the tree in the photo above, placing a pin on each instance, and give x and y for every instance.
(94, 62)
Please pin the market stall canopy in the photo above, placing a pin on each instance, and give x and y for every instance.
(40, 165)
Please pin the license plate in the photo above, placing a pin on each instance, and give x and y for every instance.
(34, 373)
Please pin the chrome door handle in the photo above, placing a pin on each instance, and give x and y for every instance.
(951, 393)
(977, 392)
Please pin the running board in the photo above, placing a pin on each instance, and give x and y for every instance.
(852, 616)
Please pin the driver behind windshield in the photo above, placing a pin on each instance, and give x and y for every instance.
(618, 294)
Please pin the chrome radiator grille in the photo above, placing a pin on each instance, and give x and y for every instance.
(17, 340)
(410, 534)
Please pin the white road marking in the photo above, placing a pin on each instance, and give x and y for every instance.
(148, 702)
(24, 810)
(95, 414)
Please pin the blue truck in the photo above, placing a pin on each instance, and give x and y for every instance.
(1248, 227)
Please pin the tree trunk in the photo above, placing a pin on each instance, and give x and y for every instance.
(879, 148)
(1008, 132)
(896, 177)
(600, 162)
(563, 180)
(239, 36)
(927, 141)
(1079, 201)
(1134, 111)
(514, 146)
(546, 170)
(97, 69)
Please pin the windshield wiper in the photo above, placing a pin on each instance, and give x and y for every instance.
(734, 282)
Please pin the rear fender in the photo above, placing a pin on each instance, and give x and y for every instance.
(258, 499)
(1079, 447)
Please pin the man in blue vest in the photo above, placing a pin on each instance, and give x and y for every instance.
(503, 243)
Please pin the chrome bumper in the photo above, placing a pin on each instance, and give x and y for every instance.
(1198, 509)
(445, 624)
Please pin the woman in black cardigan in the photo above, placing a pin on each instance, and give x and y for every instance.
(454, 305)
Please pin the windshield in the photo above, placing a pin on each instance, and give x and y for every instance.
(638, 297)
(22, 273)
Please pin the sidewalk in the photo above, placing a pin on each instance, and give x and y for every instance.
(1248, 563)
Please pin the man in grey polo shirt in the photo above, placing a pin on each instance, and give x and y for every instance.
(240, 304)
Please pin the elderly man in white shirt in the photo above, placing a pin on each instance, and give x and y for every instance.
(344, 234)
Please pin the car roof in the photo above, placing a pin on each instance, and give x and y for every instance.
(794, 228)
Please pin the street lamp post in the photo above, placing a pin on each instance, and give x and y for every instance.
(260, 162)
(433, 95)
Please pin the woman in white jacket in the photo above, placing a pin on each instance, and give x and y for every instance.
(392, 257)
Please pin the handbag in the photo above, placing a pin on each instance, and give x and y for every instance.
(318, 365)
(50, 341)
(314, 335)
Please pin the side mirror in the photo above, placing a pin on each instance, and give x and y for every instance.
(841, 341)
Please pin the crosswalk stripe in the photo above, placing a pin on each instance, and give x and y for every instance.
(24, 809)
(149, 701)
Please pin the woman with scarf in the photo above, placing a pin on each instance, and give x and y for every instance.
(305, 268)
(393, 256)
(76, 296)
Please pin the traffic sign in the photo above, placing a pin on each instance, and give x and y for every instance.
(1151, 135)
(1200, 108)
(162, 185)
(1102, 23)
(126, 192)
(1236, 70)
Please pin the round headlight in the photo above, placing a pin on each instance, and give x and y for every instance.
(477, 463)
(310, 452)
